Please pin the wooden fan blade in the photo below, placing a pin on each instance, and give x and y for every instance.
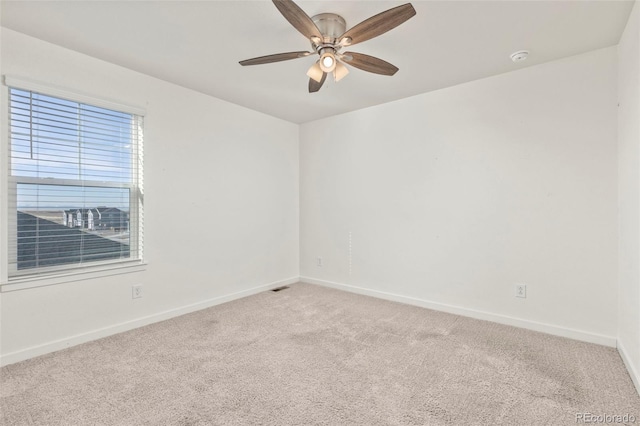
(378, 24)
(275, 58)
(369, 63)
(298, 18)
(314, 86)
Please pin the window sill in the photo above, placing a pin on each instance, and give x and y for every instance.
(33, 281)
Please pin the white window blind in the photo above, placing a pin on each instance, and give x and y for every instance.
(75, 184)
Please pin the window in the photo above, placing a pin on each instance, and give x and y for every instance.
(75, 185)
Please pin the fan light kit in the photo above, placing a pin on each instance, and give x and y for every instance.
(327, 59)
(327, 34)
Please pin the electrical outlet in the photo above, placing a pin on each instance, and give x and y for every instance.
(521, 290)
(319, 261)
(136, 291)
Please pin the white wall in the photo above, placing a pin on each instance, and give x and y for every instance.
(235, 169)
(629, 194)
(454, 196)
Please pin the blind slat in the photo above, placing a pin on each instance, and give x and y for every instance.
(71, 143)
(25, 107)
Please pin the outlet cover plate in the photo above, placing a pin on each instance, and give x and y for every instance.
(136, 291)
(521, 290)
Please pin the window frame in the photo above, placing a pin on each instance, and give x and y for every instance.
(11, 277)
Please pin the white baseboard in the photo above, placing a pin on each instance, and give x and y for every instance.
(633, 372)
(472, 313)
(57, 345)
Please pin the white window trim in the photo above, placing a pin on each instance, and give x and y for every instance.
(46, 278)
(105, 269)
(47, 89)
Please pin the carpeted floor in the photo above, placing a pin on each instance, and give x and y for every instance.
(310, 355)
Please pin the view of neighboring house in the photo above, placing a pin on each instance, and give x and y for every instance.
(99, 218)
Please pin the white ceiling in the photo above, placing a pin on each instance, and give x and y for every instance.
(197, 44)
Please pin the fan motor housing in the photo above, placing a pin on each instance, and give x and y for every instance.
(330, 25)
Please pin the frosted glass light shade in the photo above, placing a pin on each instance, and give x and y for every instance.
(340, 72)
(315, 72)
(327, 61)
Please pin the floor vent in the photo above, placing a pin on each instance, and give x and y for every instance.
(280, 288)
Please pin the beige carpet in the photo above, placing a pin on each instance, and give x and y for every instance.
(310, 355)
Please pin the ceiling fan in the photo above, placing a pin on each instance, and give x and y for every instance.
(327, 35)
